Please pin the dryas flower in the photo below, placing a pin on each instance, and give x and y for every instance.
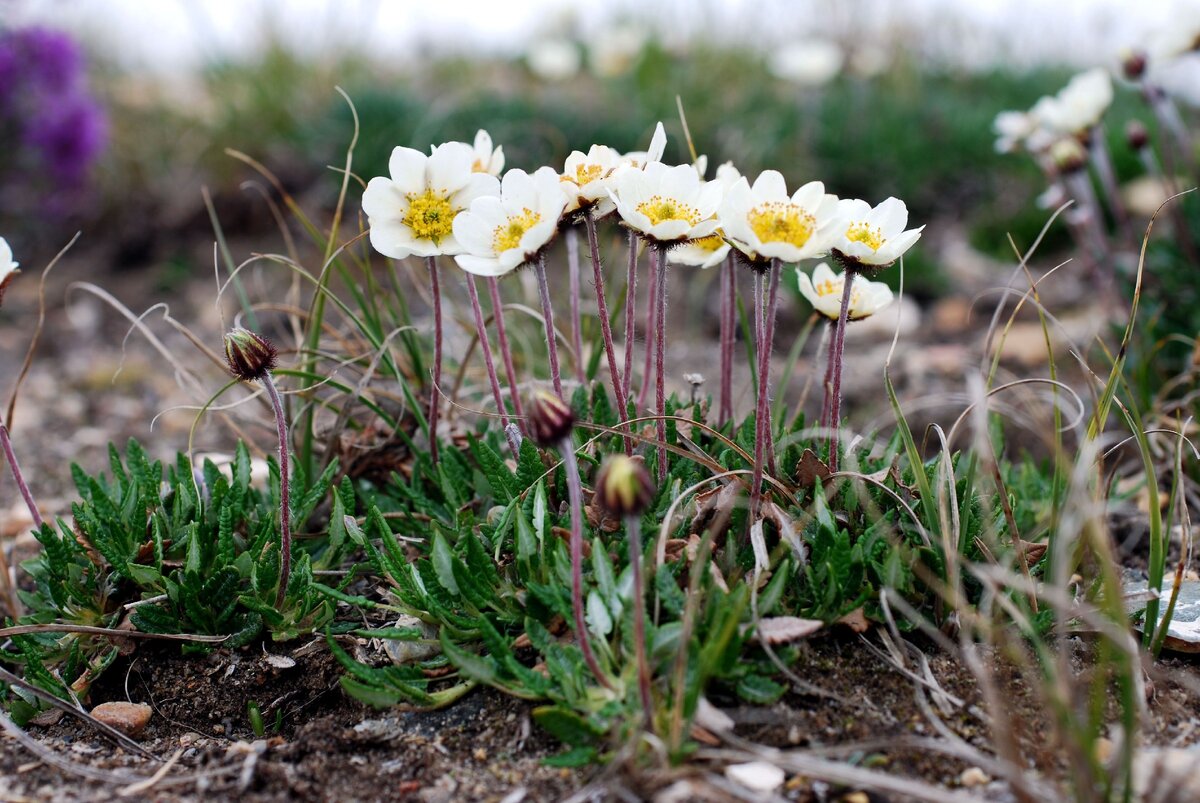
(500, 233)
(250, 356)
(711, 250)
(487, 160)
(873, 237)
(1079, 105)
(824, 291)
(8, 268)
(412, 213)
(764, 223)
(550, 418)
(1015, 130)
(587, 177)
(666, 204)
(658, 144)
(623, 486)
(808, 62)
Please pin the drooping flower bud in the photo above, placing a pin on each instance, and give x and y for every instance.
(250, 356)
(8, 268)
(550, 418)
(623, 486)
(1133, 63)
(1136, 135)
(1068, 155)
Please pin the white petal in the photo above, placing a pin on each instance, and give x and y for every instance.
(810, 197)
(392, 239)
(450, 166)
(658, 144)
(480, 266)
(669, 230)
(479, 185)
(383, 199)
(890, 216)
(853, 210)
(770, 186)
(483, 144)
(407, 168)
(474, 234)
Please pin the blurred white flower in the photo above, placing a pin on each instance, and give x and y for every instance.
(1079, 105)
(1015, 130)
(487, 160)
(711, 250)
(501, 233)
(587, 178)
(613, 51)
(870, 60)
(667, 204)
(824, 291)
(412, 213)
(1180, 38)
(763, 222)
(809, 62)
(553, 59)
(874, 236)
(8, 268)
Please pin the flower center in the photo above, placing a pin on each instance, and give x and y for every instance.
(780, 222)
(430, 215)
(660, 210)
(508, 234)
(865, 233)
(585, 174)
(831, 287)
(479, 167)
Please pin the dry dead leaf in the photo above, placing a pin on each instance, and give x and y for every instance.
(810, 469)
(782, 629)
(856, 620)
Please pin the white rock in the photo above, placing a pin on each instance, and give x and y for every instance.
(757, 776)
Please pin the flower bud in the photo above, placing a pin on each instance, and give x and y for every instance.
(8, 268)
(250, 356)
(550, 418)
(1133, 63)
(1068, 155)
(1136, 135)
(623, 486)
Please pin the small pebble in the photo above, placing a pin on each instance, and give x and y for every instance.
(974, 776)
(129, 718)
(757, 776)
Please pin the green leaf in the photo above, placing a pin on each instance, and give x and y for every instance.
(567, 726)
(443, 563)
(482, 668)
(760, 690)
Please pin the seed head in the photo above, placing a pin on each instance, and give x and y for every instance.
(550, 418)
(1133, 63)
(1068, 155)
(623, 486)
(251, 356)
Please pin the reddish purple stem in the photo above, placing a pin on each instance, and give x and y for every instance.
(575, 491)
(486, 348)
(839, 345)
(576, 326)
(548, 316)
(606, 328)
(436, 392)
(651, 318)
(285, 507)
(728, 321)
(660, 350)
(505, 351)
(633, 528)
(15, 468)
(630, 315)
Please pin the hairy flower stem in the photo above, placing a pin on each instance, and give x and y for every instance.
(651, 317)
(633, 529)
(548, 317)
(11, 457)
(575, 491)
(486, 348)
(827, 385)
(762, 414)
(435, 393)
(660, 351)
(285, 507)
(505, 351)
(1102, 161)
(606, 328)
(839, 345)
(728, 321)
(630, 315)
(573, 276)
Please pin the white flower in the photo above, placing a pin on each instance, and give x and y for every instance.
(587, 178)
(1015, 130)
(667, 204)
(553, 59)
(1079, 105)
(824, 291)
(616, 49)
(501, 233)
(874, 236)
(8, 268)
(658, 144)
(809, 62)
(763, 222)
(412, 213)
(711, 250)
(1181, 37)
(487, 160)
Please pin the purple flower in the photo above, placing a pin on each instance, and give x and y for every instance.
(69, 133)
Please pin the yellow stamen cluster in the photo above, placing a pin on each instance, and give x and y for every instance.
(479, 167)
(710, 243)
(508, 234)
(430, 215)
(585, 174)
(781, 222)
(830, 287)
(870, 236)
(659, 210)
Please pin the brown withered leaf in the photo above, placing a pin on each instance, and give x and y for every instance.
(1033, 552)
(598, 519)
(705, 736)
(856, 620)
(782, 629)
(810, 469)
